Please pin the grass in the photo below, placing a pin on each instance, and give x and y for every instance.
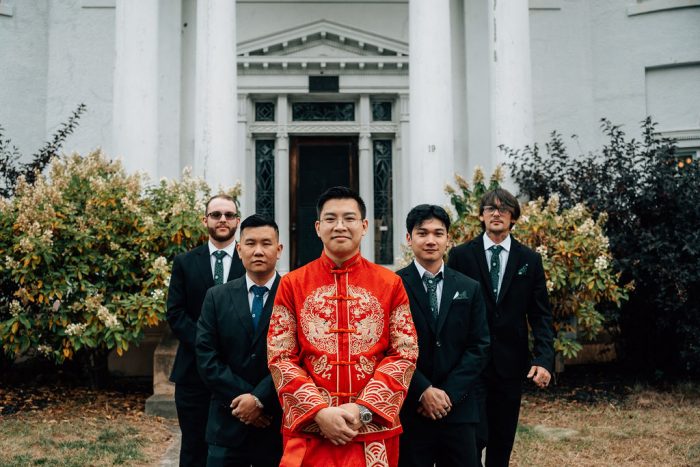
(78, 427)
(645, 428)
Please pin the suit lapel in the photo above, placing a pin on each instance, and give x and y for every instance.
(236, 266)
(416, 288)
(480, 258)
(511, 266)
(449, 287)
(264, 320)
(204, 265)
(241, 308)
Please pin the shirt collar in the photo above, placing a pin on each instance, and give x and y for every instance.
(422, 270)
(488, 243)
(249, 282)
(229, 249)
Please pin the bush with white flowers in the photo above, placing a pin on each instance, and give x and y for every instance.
(85, 254)
(575, 255)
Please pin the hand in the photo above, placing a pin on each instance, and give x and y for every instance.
(540, 376)
(435, 403)
(263, 421)
(353, 410)
(335, 423)
(245, 408)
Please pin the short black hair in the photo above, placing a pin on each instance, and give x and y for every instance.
(424, 212)
(504, 198)
(258, 220)
(221, 196)
(340, 192)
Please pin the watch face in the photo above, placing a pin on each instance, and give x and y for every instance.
(366, 417)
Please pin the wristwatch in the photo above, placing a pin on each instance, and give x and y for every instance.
(365, 414)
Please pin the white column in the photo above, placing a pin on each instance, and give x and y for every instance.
(169, 98)
(136, 85)
(402, 177)
(366, 169)
(282, 182)
(216, 107)
(511, 76)
(430, 84)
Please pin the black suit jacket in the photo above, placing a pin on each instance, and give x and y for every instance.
(232, 360)
(453, 351)
(190, 280)
(522, 300)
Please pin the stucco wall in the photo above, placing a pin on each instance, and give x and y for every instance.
(23, 68)
(590, 60)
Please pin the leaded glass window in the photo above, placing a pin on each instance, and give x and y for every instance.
(381, 111)
(383, 203)
(323, 112)
(264, 112)
(265, 177)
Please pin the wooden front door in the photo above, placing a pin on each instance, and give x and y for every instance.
(316, 164)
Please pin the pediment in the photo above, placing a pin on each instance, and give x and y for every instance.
(322, 39)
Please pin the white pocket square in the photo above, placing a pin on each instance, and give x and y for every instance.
(460, 296)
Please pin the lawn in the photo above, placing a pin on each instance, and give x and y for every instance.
(59, 426)
(590, 420)
(644, 427)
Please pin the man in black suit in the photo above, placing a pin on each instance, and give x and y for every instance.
(440, 412)
(244, 413)
(193, 274)
(514, 284)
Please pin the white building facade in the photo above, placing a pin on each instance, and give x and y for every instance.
(390, 97)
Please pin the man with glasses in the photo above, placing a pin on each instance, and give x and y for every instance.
(194, 272)
(513, 281)
(341, 347)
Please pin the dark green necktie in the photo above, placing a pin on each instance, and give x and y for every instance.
(431, 283)
(258, 294)
(219, 267)
(495, 267)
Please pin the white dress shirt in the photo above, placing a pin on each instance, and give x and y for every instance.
(438, 290)
(226, 260)
(503, 256)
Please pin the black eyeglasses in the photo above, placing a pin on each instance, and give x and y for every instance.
(491, 209)
(229, 215)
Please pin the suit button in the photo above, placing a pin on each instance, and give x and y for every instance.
(252, 356)
(438, 344)
(498, 316)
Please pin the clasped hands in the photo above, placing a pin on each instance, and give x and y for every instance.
(245, 408)
(339, 424)
(434, 403)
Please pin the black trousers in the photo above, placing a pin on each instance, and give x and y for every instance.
(256, 456)
(192, 404)
(499, 410)
(425, 443)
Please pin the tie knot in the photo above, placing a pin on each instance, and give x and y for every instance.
(219, 254)
(432, 280)
(496, 249)
(258, 290)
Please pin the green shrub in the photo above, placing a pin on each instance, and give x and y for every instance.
(652, 201)
(575, 255)
(87, 250)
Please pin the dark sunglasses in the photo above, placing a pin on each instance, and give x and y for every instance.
(229, 215)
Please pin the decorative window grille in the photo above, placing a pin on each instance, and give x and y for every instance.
(381, 111)
(383, 203)
(323, 112)
(265, 177)
(264, 112)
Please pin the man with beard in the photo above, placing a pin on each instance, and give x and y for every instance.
(194, 272)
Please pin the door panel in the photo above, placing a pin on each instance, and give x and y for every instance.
(316, 165)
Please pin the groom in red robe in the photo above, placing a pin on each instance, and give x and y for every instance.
(341, 348)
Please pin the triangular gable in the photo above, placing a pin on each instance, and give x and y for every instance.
(323, 38)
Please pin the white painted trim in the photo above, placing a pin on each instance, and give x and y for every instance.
(98, 4)
(7, 10)
(545, 4)
(652, 6)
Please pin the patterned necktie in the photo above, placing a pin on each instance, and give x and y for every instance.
(495, 267)
(431, 283)
(219, 267)
(258, 293)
